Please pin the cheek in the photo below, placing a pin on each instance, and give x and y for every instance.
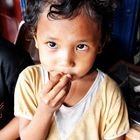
(90, 58)
(86, 64)
(47, 60)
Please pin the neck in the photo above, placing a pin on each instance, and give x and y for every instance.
(79, 89)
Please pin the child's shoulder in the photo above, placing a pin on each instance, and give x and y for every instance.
(107, 81)
(31, 76)
(109, 89)
(33, 70)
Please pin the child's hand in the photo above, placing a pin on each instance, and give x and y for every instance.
(55, 91)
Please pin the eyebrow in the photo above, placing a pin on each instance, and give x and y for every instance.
(80, 40)
(83, 39)
(51, 37)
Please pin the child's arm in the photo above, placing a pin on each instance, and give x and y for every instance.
(38, 128)
(52, 97)
(11, 130)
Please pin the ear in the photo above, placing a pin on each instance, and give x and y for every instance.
(36, 44)
(102, 45)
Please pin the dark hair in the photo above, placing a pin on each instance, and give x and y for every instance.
(99, 10)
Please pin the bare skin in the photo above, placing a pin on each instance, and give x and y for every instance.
(10, 131)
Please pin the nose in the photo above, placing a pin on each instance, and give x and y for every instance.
(66, 58)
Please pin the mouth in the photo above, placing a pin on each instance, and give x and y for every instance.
(54, 73)
(67, 75)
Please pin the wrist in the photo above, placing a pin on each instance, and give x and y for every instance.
(44, 109)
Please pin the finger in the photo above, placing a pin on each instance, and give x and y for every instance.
(58, 87)
(62, 85)
(61, 101)
(61, 95)
(50, 84)
(57, 101)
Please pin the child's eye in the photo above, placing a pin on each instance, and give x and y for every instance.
(82, 47)
(51, 44)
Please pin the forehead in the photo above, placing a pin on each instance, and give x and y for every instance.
(79, 25)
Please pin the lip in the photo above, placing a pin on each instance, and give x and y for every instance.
(61, 72)
(69, 75)
(58, 72)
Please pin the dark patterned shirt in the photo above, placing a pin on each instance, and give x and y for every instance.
(13, 60)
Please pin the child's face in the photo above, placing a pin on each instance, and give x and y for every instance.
(67, 46)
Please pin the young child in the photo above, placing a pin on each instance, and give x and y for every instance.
(66, 97)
